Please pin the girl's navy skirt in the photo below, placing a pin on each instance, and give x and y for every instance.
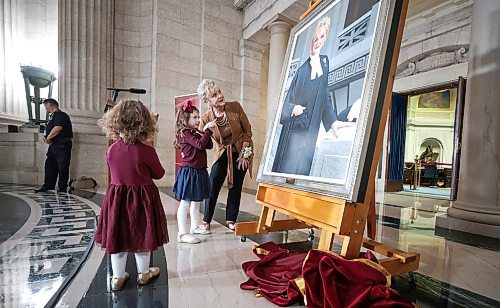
(192, 184)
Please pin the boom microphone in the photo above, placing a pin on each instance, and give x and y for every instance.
(131, 90)
(110, 103)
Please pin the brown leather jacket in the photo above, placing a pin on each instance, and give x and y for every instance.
(241, 135)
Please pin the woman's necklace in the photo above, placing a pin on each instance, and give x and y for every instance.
(222, 121)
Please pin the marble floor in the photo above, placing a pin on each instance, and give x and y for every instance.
(47, 256)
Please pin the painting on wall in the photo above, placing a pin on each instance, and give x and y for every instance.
(335, 67)
(438, 99)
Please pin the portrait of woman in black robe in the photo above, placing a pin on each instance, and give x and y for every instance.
(307, 104)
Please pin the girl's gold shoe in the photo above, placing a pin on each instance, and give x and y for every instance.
(144, 278)
(118, 282)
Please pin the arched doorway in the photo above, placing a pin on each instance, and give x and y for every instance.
(432, 120)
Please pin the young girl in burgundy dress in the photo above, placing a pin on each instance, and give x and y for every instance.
(132, 217)
(192, 184)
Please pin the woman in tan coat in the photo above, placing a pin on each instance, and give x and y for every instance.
(233, 149)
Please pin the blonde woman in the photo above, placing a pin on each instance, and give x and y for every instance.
(132, 217)
(232, 136)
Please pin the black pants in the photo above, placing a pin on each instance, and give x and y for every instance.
(218, 174)
(57, 164)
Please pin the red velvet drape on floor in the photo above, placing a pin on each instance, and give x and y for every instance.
(319, 278)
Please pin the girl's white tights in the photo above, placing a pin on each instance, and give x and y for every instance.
(119, 261)
(182, 212)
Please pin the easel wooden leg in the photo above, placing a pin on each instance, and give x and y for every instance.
(351, 246)
(270, 218)
(326, 240)
(353, 241)
(267, 223)
(371, 221)
(262, 228)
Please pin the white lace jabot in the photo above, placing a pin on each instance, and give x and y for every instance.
(316, 69)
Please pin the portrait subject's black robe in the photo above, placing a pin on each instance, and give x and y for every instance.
(298, 136)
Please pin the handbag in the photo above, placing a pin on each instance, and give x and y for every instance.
(83, 183)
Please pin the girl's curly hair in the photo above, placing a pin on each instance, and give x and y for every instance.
(181, 120)
(129, 120)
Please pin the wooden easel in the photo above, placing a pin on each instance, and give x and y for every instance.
(335, 217)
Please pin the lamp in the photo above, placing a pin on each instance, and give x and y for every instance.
(38, 78)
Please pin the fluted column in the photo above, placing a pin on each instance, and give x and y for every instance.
(478, 198)
(12, 99)
(8, 32)
(85, 59)
(279, 30)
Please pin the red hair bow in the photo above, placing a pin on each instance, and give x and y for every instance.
(188, 106)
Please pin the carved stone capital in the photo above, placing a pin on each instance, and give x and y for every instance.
(279, 27)
(279, 24)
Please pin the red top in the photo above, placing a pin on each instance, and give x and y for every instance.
(133, 164)
(193, 145)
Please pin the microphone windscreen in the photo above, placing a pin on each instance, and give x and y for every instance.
(137, 91)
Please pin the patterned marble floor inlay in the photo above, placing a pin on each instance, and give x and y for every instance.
(34, 265)
(51, 234)
(17, 213)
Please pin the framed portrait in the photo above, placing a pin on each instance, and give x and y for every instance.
(435, 100)
(333, 85)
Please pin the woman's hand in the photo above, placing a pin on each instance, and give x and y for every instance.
(338, 125)
(298, 110)
(243, 163)
(210, 125)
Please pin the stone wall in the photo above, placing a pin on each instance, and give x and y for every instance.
(23, 158)
(89, 158)
(133, 49)
(195, 40)
(436, 38)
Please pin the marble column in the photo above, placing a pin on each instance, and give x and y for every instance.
(279, 29)
(477, 209)
(86, 35)
(12, 99)
(85, 60)
(24, 27)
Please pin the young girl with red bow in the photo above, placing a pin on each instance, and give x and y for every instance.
(192, 184)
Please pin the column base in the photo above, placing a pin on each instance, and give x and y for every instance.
(85, 125)
(452, 223)
(23, 158)
(474, 213)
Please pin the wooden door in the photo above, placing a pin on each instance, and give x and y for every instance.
(457, 142)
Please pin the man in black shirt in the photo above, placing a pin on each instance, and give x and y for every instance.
(58, 135)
